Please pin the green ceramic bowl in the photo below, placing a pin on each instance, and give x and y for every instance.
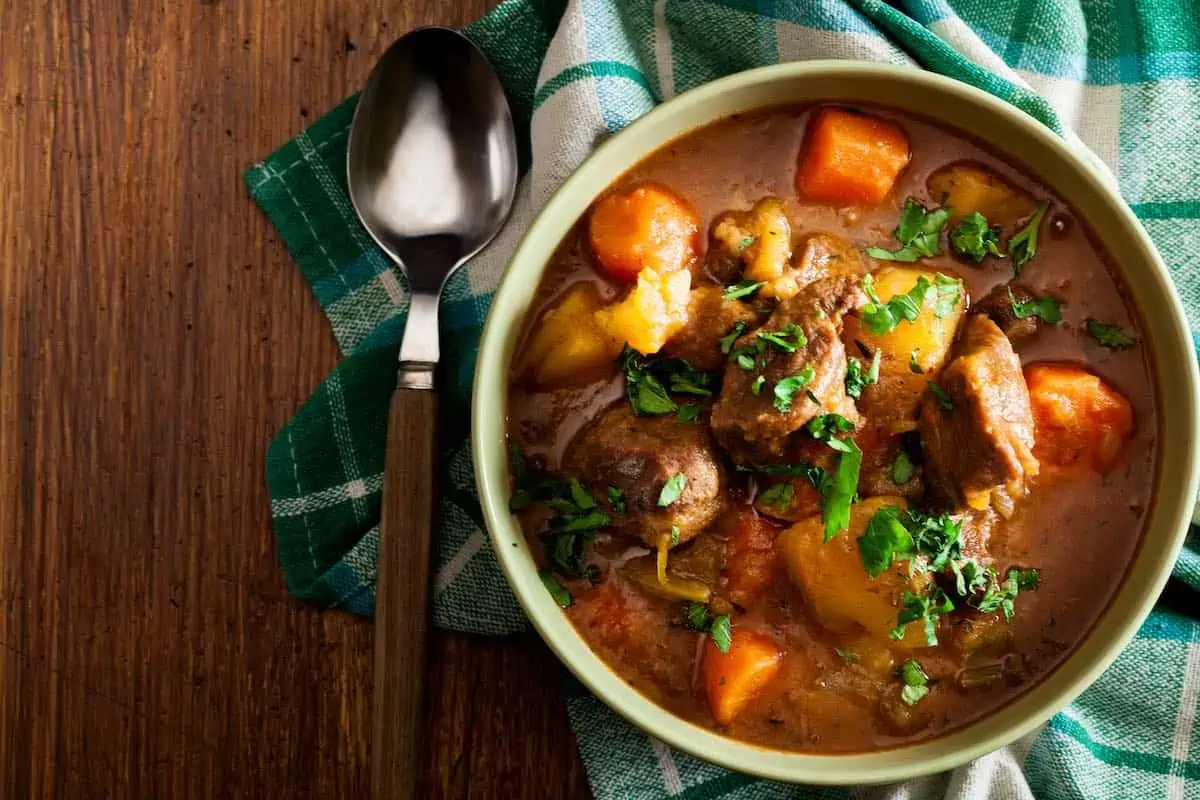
(1005, 130)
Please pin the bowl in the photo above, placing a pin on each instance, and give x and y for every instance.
(1005, 130)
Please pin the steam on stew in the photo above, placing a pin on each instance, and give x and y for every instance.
(830, 429)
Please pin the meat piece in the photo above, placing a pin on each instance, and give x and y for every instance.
(710, 318)
(998, 306)
(638, 455)
(821, 255)
(979, 452)
(877, 476)
(750, 426)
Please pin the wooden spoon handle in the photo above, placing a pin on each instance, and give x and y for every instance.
(402, 594)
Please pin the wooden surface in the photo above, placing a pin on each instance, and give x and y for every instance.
(154, 333)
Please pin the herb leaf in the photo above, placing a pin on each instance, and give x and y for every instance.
(1023, 244)
(916, 682)
(902, 469)
(917, 231)
(672, 489)
(944, 400)
(780, 495)
(756, 387)
(948, 291)
(1044, 308)
(787, 388)
(884, 537)
(742, 289)
(556, 589)
(616, 499)
(974, 238)
(650, 381)
(1000, 595)
(780, 338)
(1110, 336)
(881, 318)
(846, 655)
(675, 533)
(857, 379)
(913, 365)
(698, 617)
(721, 633)
(924, 609)
(688, 412)
(728, 339)
(837, 493)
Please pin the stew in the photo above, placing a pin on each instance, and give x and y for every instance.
(831, 430)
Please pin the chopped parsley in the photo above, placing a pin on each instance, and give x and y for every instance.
(838, 492)
(688, 412)
(698, 617)
(974, 238)
(916, 682)
(780, 495)
(1023, 244)
(756, 387)
(902, 469)
(1044, 308)
(675, 533)
(556, 589)
(801, 469)
(728, 339)
(913, 365)
(917, 231)
(787, 388)
(616, 499)
(1001, 594)
(924, 609)
(529, 485)
(881, 318)
(824, 428)
(672, 489)
(650, 381)
(947, 291)
(846, 655)
(944, 400)
(789, 338)
(1110, 336)
(746, 242)
(721, 633)
(742, 288)
(857, 378)
(892, 534)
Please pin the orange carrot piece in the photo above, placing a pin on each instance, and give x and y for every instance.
(647, 226)
(850, 158)
(1080, 421)
(732, 680)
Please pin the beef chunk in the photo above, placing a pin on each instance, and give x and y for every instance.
(710, 318)
(998, 306)
(748, 425)
(980, 451)
(638, 455)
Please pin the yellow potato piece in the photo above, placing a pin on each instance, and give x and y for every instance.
(653, 311)
(970, 187)
(762, 237)
(836, 587)
(892, 403)
(569, 346)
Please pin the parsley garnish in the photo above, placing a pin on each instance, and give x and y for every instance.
(1023, 244)
(1110, 336)
(616, 499)
(698, 617)
(556, 589)
(925, 609)
(902, 469)
(893, 534)
(837, 494)
(721, 633)
(881, 318)
(948, 291)
(688, 412)
(672, 489)
(675, 533)
(974, 238)
(529, 485)
(846, 655)
(1044, 308)
(746, 242)
(825, 428)
(913, 366)
(650, 381)
(916, 682)
(786, 388)
(728, 339)
(756, 387)
(944, 399)
(917, 231)
(884, 538)
(780, 495)
(1000, 595)
(857, 379)
(742, 289)
(780, 338)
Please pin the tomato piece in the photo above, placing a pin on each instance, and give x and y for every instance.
(646, 226)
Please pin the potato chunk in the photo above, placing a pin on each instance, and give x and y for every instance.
(835, 584)
(969, 187)
(647, 227)
(653, 311)
(925, 342)
(568, 346)
(1080, 422)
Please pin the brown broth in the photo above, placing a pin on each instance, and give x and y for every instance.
(1081, 534)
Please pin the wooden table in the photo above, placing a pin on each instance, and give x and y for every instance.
(154, 334)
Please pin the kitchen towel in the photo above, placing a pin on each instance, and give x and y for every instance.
(1123, 76)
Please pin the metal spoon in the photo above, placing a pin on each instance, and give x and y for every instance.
(432, 169)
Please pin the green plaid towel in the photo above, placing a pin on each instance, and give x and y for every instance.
(1121, 76)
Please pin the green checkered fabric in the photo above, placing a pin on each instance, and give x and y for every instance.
(1119, 78)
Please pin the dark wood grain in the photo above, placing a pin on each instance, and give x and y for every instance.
(154, 334)
(402, 595)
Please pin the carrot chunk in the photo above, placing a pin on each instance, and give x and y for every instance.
(647, 226)
(732, 680)
(1080, 421)
(850, 158)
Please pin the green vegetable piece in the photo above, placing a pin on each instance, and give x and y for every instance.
(902, 469)
(689, 412)
(616, 499)
(780, 495)
(944, 399)
(913, 366)
(698, 617)
(756, 387)
(917, 231)
(1044, 308)
(884, 538)
(556, 589)
(916, 682)
(842, 489)
(728, 339)
(721, 633)
(846, 655)
(742, 288)
(857, 378)
(672, 489)
(675, 533)
(882, 318)
(1023, 244)
(787, 388)
(1110, 336)
(975, 239)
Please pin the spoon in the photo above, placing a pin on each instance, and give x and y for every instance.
(432, 169)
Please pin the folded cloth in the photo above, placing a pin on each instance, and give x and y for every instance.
(1121, 76)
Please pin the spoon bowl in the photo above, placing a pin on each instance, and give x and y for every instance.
(432, 169)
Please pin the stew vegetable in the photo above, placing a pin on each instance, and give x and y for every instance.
(830, 429)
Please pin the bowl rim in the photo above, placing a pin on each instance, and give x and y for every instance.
(489, 452)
